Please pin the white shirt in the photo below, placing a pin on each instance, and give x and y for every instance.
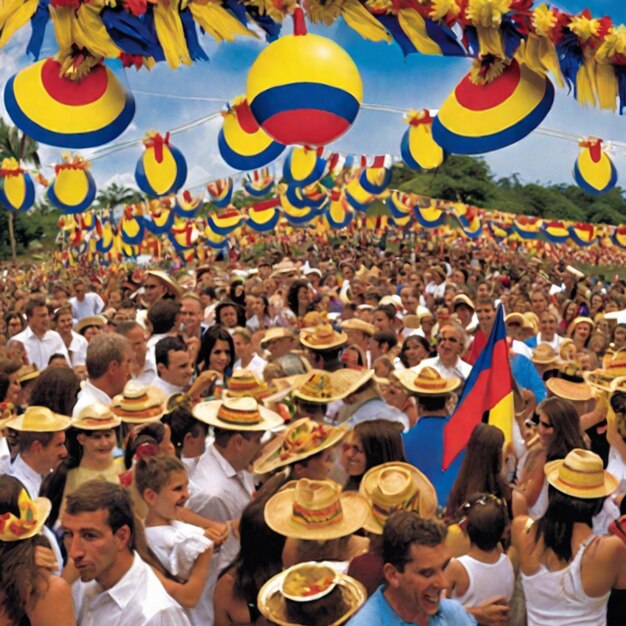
(557, 340)
(138, 599)
(5, 456)
(38, 350)
(257, 365)
(92, 304)
(87, 395)
(519, 347)
(78, 349)
(167, 388)
(461, 369)
(149, 371)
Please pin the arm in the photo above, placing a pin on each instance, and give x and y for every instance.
(492, 613)
(613, 437)
(216, 531)
(531, 481)
(54, 607)
(457, 578)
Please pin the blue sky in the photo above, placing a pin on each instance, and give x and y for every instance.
(389, 79)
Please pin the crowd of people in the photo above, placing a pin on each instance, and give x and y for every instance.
(261, 441)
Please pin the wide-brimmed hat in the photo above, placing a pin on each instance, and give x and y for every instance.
(533, 322)
(437, 269)
(544, 354)
(427, 382)
(286, 266)
(96, 416)
(309, 577)
(601, 378)
(411, 322)
(272, 334)
(316, 509)
(172, 286)
(576, 392)
(237, 414)
(39, 419)
(393, 487)
(138, 404)
(322, 337)
(356, 324)
(564, 348)
(302, 439)
(580, 320)
(246, 383)
(463, 298)
(581, 474)
(91, 320)
(517, 317)
(27, 372)
(33, 515)
(323, 387)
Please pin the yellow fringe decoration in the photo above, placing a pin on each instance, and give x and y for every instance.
(276, 9)
(14, 14)
(544, 20)
(444, 8)
(414, 27)
(584, 28)
(326, 13)
(540, 55)
(486, 16)
(586, 83)
(170, 33)
(363, 22)
(607, 87)
(89, 31)
(217, 21)
(614, 44)
(479, 76)
(380, 6)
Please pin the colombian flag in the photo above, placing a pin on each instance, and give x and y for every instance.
(488, 390)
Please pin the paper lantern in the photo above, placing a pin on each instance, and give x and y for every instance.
(418, 148)
(480, 116)
(131, 229)
(594, 171)
(162, 217)
(61, 112)
(162, 168)
(73, 189)
(17, 191)
(304, 89)
(375, 179)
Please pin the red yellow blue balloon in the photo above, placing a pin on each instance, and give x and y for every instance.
(73, 189)
(131, 229)
(264, 216)
(242, 143)
(162, 168)
(304, 89)
(68, 113)
(418, 148)
(294, 215)
(17, 190)
(485, 113)
(594, 171)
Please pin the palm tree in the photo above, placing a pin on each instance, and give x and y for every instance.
(22, 149)
(116, 195)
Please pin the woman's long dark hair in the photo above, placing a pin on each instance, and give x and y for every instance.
(421, 340)
(240, 300)
(20, 578)
(566, 423)
(556, 526)
(241, 312)
(56, 388)
(209, 339)
(480, 470)
(292, 296)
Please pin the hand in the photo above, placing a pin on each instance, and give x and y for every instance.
(492, 613)
(217, 532)
(44, 558)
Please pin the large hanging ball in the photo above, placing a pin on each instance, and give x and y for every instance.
(162, 168)
(74, 189)
(61, 112)
(594, 171)
(304, 89)
(17, 191)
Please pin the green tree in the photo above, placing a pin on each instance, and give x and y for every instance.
(116, 195)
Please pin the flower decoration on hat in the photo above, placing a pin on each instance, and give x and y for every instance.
(33, 514)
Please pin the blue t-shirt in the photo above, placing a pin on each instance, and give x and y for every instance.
(378, 612)
(423, 446)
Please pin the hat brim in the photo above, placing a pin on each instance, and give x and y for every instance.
(271, 602)
(279, 510)
(43, 507)
(207, 412)
(114, 422)
(544, 361)
(404, 377)
(555, 385)
(57, 424)
(599, 379)
(162, 276)
(271, 458)
(339, 339)
(608, 486)
(340, 383)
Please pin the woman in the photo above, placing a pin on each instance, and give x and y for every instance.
(57, 389)
(569, 311)
(188, 434)
(559, 433)
(300, 298)
(566, 571)
(370, 444)
(596, 304)
(237, 293)
(230, 314)
(28, 594)
(260, 319)
(580, 331)
(9, 380)
(76, 344)
(481, 471)
(618, 337)
(15, 323)
(414, 350)
(217, 353)
(385, 317)
(396, 395)
(353, 357)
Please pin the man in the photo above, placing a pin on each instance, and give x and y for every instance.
(548, 331)
(116, 586)
(163, 316)
(157, 285)
(464, 310)
(109, 361)
(143, 369)
(539, 302)
(39, 341)
(247, 358)
(84, 303)
(415, 557)
(451, 341)
(278, 342)
(190, 316)
(486, 314)
(382, 343)
(359, 334)
(323, 345)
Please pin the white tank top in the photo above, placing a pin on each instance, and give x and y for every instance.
(486, 580)
(558, 599)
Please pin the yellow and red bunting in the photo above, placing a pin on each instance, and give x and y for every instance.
(314, 196)
(213, 240)
(73, 189)
(259, 183)
(303, 166)
(400, 204)
(619, 237)
(376, 178)
(418, 148)
(61, 112)
(583, 234)
(225, 222)
(186, 205)
(242, 143)
(183, 235)
(304, 89)
(356, 196)
(480, 116)
(162, 168)
(555, 231)
(263, 216)
(161, 216)
(106, 238)
(429, 216)
(17, 190)
(221, 192)
(294, 215)
(527, 227)
(594, 171)
(339, 214)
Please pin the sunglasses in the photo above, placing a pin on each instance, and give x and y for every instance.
(452, 340)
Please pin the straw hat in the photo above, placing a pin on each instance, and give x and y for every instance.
(576, 392)
(533, 322)
(96, 416)
(286, 266)
(33, 515)
(27, 372)
(462, 298)
(138, 404)
(356, 324)
(276, 333)
(437, 269)
(237, 414)
(323, 387)
(316, 509)
(393, 487)
(172, 286)
(423, 312)
(567, 349)
(517, 317)
(544, 354)
(427, 382)
(91, 320)
(580, 320)
(601, 378)
(247, 383)
(39, 419)
(322, 337)
(393, 299)
(302, 439)
(310, 576)
(411, 322)
(581, 475)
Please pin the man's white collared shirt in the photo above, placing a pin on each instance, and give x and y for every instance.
(461, 369)
(38, 350)
(89, 394)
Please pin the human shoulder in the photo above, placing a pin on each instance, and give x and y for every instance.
(54, 605)
(454, 614)
(373, 613)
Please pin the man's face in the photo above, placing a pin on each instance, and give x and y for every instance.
(464, 314)
(179, 370)
(482, 291)
(228, 316)
(485, 314)
(191, 315)
(279, 347)
(548, 325)
(449, 344)
(153, 290)
(40, 320)
(64, 323)
(265, 271)
(137, 339)
(241, 346)
(80, 290)
(249, 448)
(359, 338)
(538, 302)
(52, 454)
(347, 272)
(423, 581)
(91, 543)
(121, 371)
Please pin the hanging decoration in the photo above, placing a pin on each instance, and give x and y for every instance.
(259, 183)
(73, 190)
(17, 191)
(303, 166)
(221, 192)
(225, 222)
(376, 178)
(132, 227)
(161, 217)
(418, 148)
(594, 171)
(161, 169)
(339, 214)
(186, 205)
